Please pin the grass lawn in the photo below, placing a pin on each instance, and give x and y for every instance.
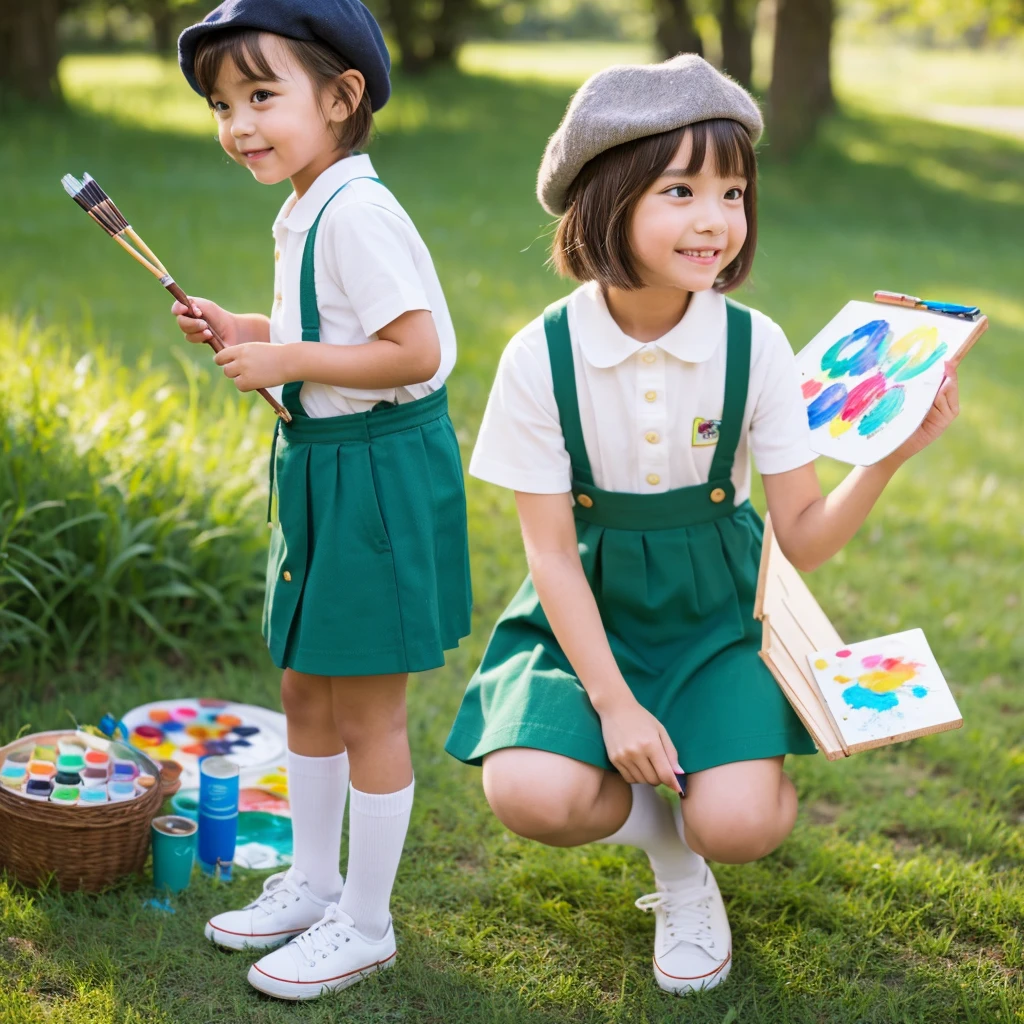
(900, 894)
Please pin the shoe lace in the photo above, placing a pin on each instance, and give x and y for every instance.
(278, 891)
(687, 915)
(325, 937)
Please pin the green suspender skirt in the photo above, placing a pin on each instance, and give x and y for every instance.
(674, 576)
(369, 560)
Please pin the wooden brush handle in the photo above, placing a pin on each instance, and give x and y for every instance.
(217, 343)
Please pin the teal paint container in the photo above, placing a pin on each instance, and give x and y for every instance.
(174, 848)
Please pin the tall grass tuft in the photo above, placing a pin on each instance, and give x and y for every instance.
(131, 506)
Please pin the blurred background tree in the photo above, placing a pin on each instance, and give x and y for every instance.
(428, 34)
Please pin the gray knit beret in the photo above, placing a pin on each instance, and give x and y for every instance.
(631, 101)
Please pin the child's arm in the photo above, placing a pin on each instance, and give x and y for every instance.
(406, 351)
(234, 328)
(810, 527)
(636, 741)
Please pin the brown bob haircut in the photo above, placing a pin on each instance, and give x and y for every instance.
(243, 47)
(592, 239)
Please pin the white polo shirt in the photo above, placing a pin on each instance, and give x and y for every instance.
(371, 266)
(650, 412)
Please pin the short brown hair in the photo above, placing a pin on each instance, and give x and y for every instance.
(322, 64)
(592, 239)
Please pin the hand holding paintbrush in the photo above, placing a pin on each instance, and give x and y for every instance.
(91, 198)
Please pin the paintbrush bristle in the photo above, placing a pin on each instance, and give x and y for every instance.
(88, 194)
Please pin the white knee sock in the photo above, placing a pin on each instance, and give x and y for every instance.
(317, 787)
(377, 823)
(651, 826)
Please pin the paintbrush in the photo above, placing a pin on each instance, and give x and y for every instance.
(913, 302)
(91, 198)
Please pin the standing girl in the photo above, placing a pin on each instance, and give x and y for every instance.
(624, 420)
(368, 576)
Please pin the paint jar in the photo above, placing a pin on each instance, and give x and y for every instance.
(42, 770)
(18, 757)
(13, 775)
(70, 763)
(174, 847)
(97, 759)
(66, 795)
(99, 774)
(43, 752)
(144, 782)
(71, 747)
(218, 815)
(92, 797)
(94, 781)
(38, 789)
(120, 791)
(186, 803)
(67, 778)
(125, 771)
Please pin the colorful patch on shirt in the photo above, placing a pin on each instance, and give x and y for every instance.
(705, 432)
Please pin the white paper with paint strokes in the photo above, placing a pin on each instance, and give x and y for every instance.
(934, 334)
(884, 687)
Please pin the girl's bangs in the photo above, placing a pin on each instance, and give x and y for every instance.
(732, 152)
(243, 49)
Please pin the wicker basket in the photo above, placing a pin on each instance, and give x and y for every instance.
(83, 847)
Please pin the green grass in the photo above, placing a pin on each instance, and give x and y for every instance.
(899, 896)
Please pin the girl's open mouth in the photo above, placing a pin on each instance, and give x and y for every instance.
(705, 257)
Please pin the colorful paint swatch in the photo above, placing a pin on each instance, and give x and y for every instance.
(871, 375)
(885, 690)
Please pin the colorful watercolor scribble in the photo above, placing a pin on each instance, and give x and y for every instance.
(880, 366)
(890, 686)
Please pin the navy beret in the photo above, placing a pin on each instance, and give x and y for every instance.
(344, 25)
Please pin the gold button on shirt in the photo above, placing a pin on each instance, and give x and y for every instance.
(287, 576)
(653, 479)
(652, 437)
(718, 495)
(585, 500)
(651, 396)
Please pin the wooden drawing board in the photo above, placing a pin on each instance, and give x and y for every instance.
(795, 627)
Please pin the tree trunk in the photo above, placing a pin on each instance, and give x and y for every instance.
(408, 31)
(801, 89)
(737, 25)
(449, 31)
(28, 50)
(674, 30)
(164, 36)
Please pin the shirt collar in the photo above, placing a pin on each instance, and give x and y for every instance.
(299, 214)
(692, 340)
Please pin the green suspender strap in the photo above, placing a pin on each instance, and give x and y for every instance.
(309, 314)
(563, 374)
(737, 379)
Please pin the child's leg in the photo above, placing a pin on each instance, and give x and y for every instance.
(739, 812)
(371, 713)
(318, 774)
(562, 802)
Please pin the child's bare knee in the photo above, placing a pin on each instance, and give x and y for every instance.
(742, 834)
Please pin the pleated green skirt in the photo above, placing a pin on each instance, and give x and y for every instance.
(677, 607)
(368, 571)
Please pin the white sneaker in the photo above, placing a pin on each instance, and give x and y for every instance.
(285, 908)
(327, 957)
(692, 941)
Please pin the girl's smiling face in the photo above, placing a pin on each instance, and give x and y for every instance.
(283, 126)
(688, 226)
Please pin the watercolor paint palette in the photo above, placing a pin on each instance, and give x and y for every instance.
(884, 690)
(186, 729)
(850, 697)
(871, 374)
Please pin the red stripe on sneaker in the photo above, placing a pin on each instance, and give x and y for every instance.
(325, 981)
(694, 977)
(255, 935)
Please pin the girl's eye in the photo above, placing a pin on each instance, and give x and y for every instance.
(261, 95)
(219, 106)
(679, 192)
(734, 193)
